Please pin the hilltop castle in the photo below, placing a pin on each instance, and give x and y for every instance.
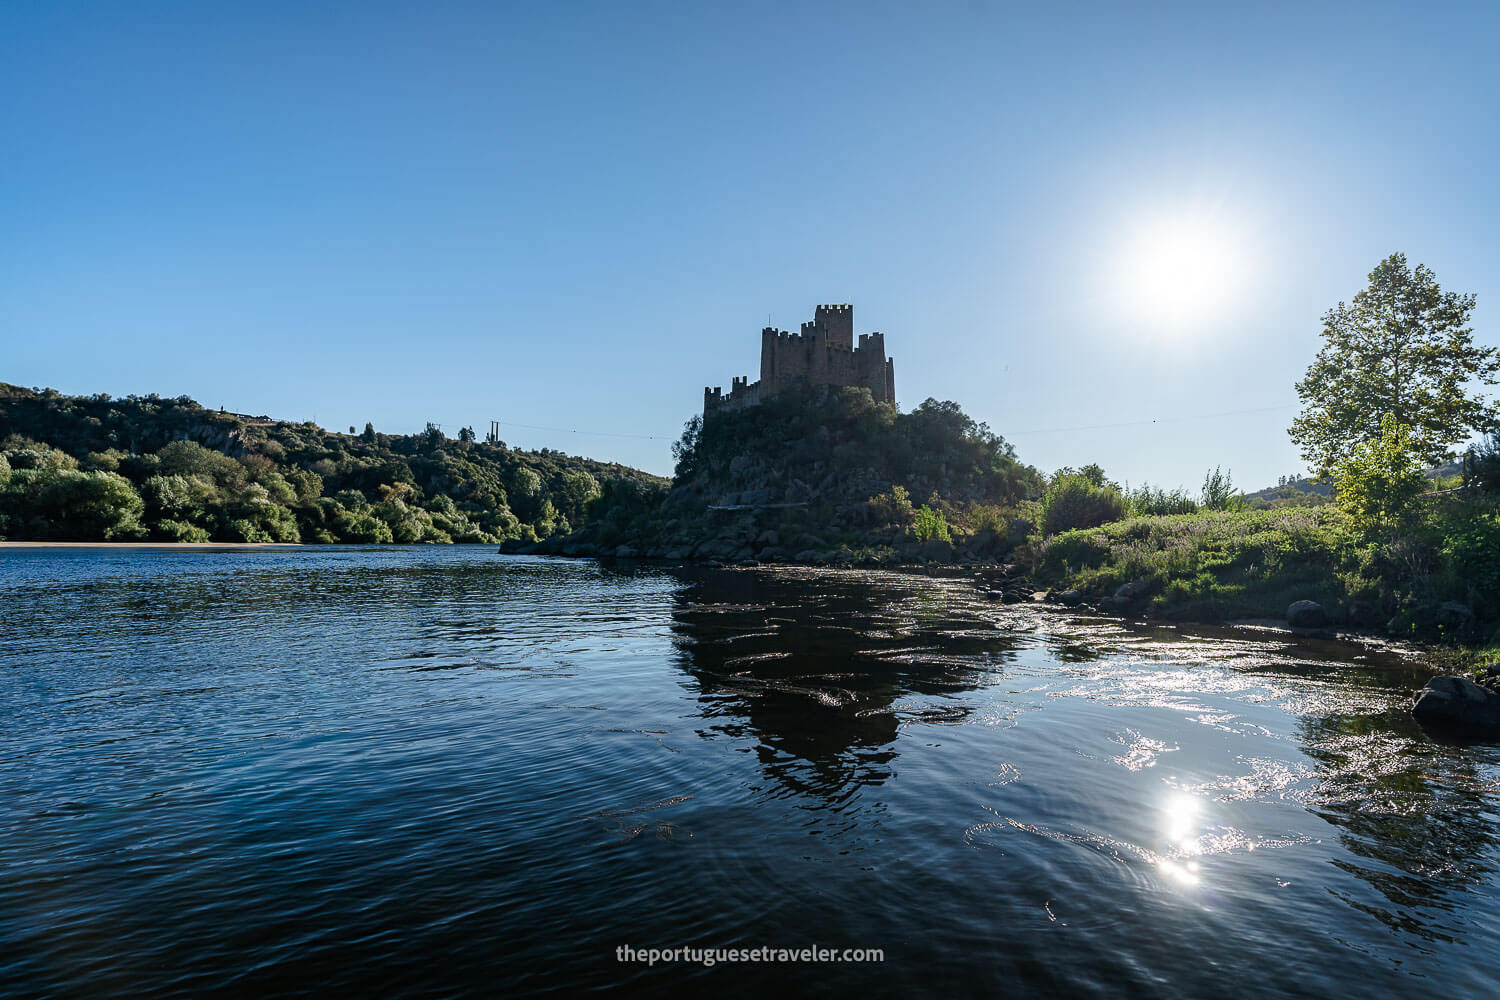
(824, 353)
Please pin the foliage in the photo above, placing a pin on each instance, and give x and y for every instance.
(93, 468)
(1219, 492)
(893, 507)
(844, 434)
(988, 517)
(929, 525)
(1379, 481)
(1073, 500)
(1205, 565)
(1148, 501)
(1402, 347)
(1481, 468)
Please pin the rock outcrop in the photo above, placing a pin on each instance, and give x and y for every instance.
(1306, 614)
(1458, 703)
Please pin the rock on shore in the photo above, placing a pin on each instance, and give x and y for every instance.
(1458, 703)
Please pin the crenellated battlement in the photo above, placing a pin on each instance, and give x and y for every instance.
(822, 353)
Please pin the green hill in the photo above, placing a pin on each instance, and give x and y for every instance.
(94, 468)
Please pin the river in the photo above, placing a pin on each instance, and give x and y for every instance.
(439, 771)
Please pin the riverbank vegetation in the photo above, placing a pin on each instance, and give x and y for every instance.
(146, 468)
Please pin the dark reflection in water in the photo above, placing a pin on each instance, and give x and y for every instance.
(822, 686)
(429, 773)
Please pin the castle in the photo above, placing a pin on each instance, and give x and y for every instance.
(824, 353)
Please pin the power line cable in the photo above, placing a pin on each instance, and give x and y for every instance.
(1155, 420)
(1035, 430)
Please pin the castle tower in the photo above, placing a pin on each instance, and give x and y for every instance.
(823, 353)
(837, 324)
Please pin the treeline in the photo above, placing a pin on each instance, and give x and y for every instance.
(148, 468)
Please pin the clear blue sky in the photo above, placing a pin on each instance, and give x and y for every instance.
(578, 216)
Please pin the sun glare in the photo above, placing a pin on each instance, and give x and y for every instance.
(1182, 273)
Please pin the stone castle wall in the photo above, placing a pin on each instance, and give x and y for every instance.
(823, 353)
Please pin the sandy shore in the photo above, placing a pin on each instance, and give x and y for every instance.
(149, 545)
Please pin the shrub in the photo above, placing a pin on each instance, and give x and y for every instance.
(1146, 501)
(178, 531)
(1219, 492)
(1482, 464)
(1072, 501)
(988, 517)
(928, 524)
(893, 507)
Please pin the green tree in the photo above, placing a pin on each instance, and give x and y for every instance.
(526, 495)
(92, 505)
(576, 489)
(1379, 482)
(368, 434)
(1402, 347)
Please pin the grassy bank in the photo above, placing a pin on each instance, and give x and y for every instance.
(1440, 580)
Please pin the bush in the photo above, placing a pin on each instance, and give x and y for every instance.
(178, 531)
(928, 524)
(988, 517)
(1219, 492)
(1482, 465)
(1146, 501)
(893, 507)
(1471, 548)
(1073, 501)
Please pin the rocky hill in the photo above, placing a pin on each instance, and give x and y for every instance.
(802, 476)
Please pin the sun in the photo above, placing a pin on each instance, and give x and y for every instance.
(1182, 272)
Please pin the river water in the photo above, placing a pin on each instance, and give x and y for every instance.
(429, 772)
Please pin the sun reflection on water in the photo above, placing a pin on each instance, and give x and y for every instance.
(1181, 825)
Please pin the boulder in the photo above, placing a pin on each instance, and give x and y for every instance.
(626, 552)
(768, 538)
(806, 556)
(1132, 591)
(1455, 617)
(1070, 597)
(1306, 614)
(1457, 703)
(935, 550)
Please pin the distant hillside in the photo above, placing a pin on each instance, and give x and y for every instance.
(1300, 489)
(92, 467)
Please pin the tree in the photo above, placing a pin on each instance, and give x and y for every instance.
(1380, 480)
(368, 435)
(1403, 347)
(526, 495)
(466, 435)
(576, 489)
